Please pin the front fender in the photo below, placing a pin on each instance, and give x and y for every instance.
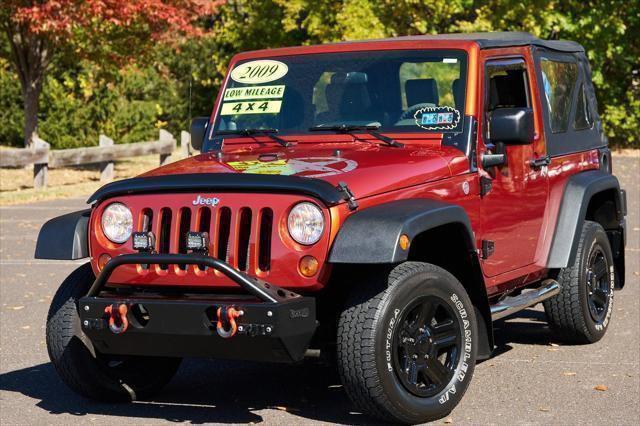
(64, 237)
(372, 235)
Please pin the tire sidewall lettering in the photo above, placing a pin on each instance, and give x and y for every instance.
(463, 363)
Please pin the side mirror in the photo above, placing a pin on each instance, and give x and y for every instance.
(512, 126)
(198, 130)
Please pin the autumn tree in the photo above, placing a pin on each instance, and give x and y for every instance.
(109, 30)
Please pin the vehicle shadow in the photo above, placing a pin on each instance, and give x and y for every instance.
(527, 327)
(208, 391)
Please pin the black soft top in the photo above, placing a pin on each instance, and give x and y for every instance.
(490, 40)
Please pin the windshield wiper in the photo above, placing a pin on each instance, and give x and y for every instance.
(371, 129)
(270, 133)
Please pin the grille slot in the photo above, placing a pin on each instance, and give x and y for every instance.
(264, 243)
(204, 225)
(183, 228)
(244, 236)
(164, 234)
(224, 231)
(146, 223)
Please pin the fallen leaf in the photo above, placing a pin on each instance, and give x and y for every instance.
(544, 409)
(25, 327)
(601, 388)
(553, 349)
(16, 308)
(569, 373)
(448, 420)
(288, 409)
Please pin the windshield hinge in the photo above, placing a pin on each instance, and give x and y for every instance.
(348, 195)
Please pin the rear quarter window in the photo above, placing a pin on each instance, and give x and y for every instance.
(558, 79)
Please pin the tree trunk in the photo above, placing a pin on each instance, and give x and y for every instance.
(31, 97)
(30, 57)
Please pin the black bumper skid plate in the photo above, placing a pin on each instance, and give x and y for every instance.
(276, 332)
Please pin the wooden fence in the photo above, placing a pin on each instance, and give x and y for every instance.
(105, 154)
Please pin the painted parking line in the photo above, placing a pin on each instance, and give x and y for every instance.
(40, 262)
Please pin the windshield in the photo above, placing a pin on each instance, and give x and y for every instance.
(394, 91)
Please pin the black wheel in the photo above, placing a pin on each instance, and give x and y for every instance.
(104, 377)
(581, 312)
(406, 352)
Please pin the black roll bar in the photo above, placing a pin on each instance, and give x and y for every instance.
(262, 290)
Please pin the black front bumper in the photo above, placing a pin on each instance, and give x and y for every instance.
(276, 325)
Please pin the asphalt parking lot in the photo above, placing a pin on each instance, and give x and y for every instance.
(530, 380)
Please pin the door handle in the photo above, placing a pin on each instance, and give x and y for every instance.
(536, 163)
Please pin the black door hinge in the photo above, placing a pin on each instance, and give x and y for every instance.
(488, 247)
(485, 185)
(348, 195)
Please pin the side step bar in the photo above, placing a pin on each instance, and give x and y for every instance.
(511, 305)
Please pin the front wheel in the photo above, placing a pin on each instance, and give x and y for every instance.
(407, 353)
(103, 377)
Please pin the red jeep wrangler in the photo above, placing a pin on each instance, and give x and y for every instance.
(382, 201)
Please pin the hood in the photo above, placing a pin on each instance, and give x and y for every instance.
(368, 168)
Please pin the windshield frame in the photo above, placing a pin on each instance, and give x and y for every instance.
(465, 49)
(215, 142)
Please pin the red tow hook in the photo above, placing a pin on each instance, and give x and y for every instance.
(118, 322)
(228, 315)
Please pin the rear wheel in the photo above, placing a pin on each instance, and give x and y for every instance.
(103, 377)
(406, 352)
(581, 312)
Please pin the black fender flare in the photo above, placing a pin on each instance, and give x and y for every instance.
(578, 192)
(371, 236)
(64, 237)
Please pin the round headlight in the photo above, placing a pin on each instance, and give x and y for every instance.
(306, 223)
(117, 222)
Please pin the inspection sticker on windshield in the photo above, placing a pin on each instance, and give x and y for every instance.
(262, 71)
(251, 107)
(437, 118)
(253, 92)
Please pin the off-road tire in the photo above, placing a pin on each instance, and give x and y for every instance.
(103, 378)
(568, 313)
(369, 325)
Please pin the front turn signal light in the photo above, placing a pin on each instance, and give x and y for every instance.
(103, 260)
(308, 266)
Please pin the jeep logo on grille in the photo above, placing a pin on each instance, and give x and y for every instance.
(201, 201)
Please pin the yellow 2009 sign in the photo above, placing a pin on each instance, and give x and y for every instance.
(251, 107)
(262, 71)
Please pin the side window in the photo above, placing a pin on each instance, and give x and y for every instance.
(507, 86)
(558, 79)
(583, 118)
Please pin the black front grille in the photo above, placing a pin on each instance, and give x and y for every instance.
(241, 237)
